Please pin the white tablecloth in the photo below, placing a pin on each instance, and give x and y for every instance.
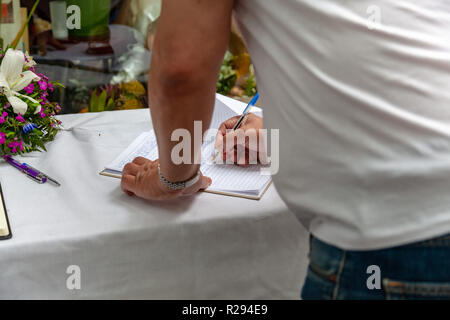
(204, 247)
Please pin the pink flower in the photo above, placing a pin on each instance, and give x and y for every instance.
(42, 114)
(2, 117)
(13, 145)
(43, 85)
(2, 138)
(20, 118)
(29, 89)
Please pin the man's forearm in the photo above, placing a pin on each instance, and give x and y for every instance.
(189, 46)
(178, 106)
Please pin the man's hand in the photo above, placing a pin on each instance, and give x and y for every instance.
(243, 145)
(141, 178)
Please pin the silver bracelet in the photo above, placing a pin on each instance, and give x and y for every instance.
(178, 185)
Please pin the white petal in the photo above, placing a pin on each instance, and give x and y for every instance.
(38, 109)
(3, 82)
(24, 80)
(18, 105)
(12, 65)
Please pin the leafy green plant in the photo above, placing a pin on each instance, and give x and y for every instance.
(105, 101)
(232, 75)
(250, 86)
(227, 75)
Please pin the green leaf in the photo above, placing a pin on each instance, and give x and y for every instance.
(58, 84)
(110, 105)
(93, 102)
(102, 101)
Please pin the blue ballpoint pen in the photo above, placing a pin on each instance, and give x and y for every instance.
(244, 114)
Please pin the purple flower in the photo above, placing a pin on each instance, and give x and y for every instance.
(29, 89)
(2, 138)
(42, 114)
(7, 105)
(44, 98)
(43, 85)
(20, 118)
(13, 145)
(2, 117)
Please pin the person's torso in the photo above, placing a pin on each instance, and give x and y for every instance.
(360, 91)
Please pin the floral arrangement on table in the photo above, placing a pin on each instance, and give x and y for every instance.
(27, 117)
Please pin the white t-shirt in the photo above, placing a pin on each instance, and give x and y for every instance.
(360, 91)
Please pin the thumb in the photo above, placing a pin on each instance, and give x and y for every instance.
(202, 184)
(205, 182)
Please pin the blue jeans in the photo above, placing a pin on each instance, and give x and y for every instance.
(415, 271)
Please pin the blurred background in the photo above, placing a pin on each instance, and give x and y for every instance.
(100, 51)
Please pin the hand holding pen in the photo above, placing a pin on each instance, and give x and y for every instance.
(239, 137)
(241, 118)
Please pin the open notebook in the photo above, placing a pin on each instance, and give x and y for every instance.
(5, 231)
(227, 179)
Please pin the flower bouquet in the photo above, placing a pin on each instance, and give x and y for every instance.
(27, 119)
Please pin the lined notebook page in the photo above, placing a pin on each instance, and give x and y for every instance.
(220, 114)
(230, 177)
(143, 146)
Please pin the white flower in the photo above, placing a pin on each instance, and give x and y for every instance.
(13, 79)
(31, 62)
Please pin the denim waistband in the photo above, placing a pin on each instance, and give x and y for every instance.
(440, 241)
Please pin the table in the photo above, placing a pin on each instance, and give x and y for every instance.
(203, 247)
